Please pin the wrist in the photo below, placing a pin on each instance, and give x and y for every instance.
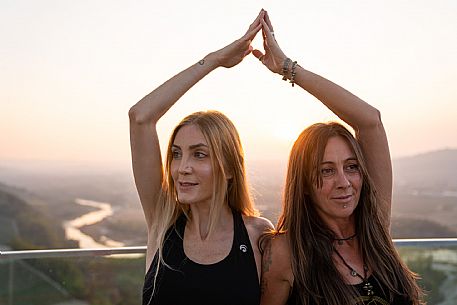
(210, 61)
(288, 70)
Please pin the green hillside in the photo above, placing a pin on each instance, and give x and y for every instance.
(26, 227)
(96, 280)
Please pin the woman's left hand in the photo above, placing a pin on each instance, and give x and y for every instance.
(274, 57)
(234, 53)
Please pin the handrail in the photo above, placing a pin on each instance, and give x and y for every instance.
(425, 242)
(24, 254)
(27, 254)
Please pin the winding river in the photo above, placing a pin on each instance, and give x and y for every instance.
(72, 227)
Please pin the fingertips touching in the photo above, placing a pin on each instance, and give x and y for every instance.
(260, 16)
(268, 21)
(266, 29)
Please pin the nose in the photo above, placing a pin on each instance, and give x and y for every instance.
(342, 180)
(185, 166)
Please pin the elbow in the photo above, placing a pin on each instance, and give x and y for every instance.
(373, 119)
(370, 120)
(377, 117)
(135, 116)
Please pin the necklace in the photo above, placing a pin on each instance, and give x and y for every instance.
(341, 240)
(367, 287)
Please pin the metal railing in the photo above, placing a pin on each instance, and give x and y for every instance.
(77, 252)
(76, 276)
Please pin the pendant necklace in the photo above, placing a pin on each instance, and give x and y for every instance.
(367, 287)
(341, 240)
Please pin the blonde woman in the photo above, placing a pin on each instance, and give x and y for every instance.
(332, 244)
(203, 229)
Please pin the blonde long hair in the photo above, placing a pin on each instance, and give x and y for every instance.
(227, 159)
(316, 277)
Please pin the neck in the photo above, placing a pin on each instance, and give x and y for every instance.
(343, 228)
(200, 219)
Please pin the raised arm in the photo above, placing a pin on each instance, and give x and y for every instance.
(146, 156)
(362, 117)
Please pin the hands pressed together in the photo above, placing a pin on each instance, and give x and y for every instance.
(272, 56)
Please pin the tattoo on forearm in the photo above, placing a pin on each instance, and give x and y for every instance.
(201, 62)
(263, 286)
(266, 263)
(266, 259)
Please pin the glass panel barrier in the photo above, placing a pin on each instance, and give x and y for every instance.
(114, 276)
(71, 279)
(437, 268)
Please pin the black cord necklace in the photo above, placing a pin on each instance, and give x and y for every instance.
(366, 285)
(341, 240)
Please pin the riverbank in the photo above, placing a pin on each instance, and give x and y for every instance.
(73, 227)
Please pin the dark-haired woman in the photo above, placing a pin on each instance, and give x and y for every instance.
(332, 244)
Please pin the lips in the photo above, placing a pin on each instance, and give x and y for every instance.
(343, 198)
(187, 184)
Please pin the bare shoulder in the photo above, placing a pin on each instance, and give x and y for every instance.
(256, 226)
(277, 247)
(276, 265)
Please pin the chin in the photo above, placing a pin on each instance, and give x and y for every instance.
(188, 201)
(185, 201)
(347, 214)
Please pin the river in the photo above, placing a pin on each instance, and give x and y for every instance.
(72, 227)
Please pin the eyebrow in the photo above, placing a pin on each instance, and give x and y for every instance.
(194, 146)
(348, 159)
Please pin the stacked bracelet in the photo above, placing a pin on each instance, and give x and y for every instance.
(286, 71)
(285, 68)
(292, 78)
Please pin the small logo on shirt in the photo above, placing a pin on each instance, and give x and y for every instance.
(243, 248)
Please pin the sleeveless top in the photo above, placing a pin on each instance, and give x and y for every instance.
(233, 280)
(379, 297)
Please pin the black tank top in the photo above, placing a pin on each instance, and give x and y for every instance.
(379, 297)
(233, 280)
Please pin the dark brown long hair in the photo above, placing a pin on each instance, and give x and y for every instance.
(316, 278)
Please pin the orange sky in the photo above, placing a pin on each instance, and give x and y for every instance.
(70, 70)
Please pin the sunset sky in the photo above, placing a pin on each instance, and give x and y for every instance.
(70, 70)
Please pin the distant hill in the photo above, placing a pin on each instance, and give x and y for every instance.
(26, 227)
(403, 227)
(425, 195)
(62, 183)
(419, 185)
(436, 170)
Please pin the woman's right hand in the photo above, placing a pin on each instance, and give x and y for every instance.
(274, 57)
(234, 53)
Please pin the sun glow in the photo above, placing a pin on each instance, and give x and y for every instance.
(287, 131)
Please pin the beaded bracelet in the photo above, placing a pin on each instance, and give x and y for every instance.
(293, 73)
(285, 68)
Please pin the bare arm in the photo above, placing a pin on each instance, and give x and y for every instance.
(277, 277)
(146, 156)
(362, 117)
(256, 226)
(365, 120)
